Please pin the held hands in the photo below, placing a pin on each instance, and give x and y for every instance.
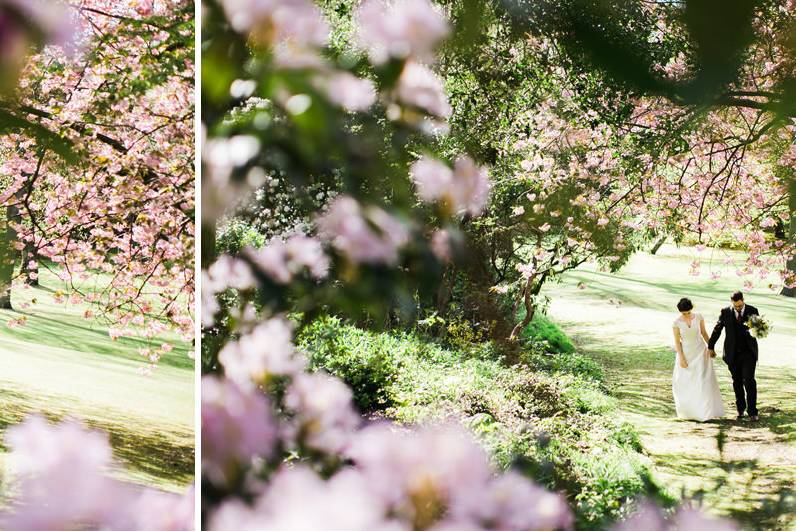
(711, 353)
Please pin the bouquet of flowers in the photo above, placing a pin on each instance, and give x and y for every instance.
(758, 326)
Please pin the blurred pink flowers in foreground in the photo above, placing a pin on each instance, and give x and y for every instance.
(401, 29)
(364, 235)
(465, 188)
(60, 474)
(291, 453)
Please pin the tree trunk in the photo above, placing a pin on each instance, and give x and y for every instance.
(6, 263)
(532, 289)
(658, 245)
(530, 309)
(208, 243)
(444, 292)
(791, 266)
(478, 301)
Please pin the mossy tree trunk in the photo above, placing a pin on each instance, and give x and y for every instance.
(533, 286)
(658, 245)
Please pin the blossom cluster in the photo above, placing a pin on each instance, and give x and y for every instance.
(402, 35)
(465, 189)
(62, 482)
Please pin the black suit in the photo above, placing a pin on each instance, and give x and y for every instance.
(740, 355)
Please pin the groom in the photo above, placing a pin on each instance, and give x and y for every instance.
(740, 352)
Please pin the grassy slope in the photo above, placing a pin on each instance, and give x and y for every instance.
(63, 365)
(624, 320)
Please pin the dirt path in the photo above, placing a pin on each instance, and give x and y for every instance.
(622, 321)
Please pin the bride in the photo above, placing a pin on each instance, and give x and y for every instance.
(694, 384)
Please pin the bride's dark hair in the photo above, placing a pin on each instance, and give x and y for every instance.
(685, 305)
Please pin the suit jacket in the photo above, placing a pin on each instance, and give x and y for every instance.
(737, 339)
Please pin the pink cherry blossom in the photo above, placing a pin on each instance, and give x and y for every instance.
(419, 87)
(350, 92)
(400, 29)
(324, 416)
(283, 260)
(350, 229)
(297, 20)
(266, 351)
(62, 483)
(465, 188)
(237, 426)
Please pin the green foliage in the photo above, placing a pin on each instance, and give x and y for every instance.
(541, 329)
(626, 435)
(235, 234)
(367, 362)
(538, 357)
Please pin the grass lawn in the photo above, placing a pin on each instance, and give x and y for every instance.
(623, 320)
(63, 365)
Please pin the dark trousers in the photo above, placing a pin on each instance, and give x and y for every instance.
(742, 370)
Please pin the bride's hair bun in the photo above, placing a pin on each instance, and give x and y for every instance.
(685, 305)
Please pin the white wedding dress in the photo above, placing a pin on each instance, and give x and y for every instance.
(696, 390)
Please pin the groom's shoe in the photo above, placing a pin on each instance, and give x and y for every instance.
(754, 418)
(739, 417)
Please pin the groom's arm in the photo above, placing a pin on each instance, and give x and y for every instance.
(714, 337)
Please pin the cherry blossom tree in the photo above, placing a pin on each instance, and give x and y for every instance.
(61, 472)
(707, 92)
(122, 205)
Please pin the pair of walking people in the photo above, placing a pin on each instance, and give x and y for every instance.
(694, 384)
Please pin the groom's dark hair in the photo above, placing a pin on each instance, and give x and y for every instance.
(737, 296)
(685, 305)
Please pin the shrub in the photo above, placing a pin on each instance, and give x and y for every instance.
(626, 435)
(363, 360)
(547, 415)
(542, 330)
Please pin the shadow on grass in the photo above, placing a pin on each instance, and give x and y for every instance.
(757, 497)
(58, 331)
(160, 455)
(634, 292)
(640, 376)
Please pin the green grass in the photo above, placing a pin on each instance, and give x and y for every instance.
(61, 365)
(623, 321)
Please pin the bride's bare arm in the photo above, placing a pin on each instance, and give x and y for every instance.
(679, 347)
(706, 337)
(703, 331)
